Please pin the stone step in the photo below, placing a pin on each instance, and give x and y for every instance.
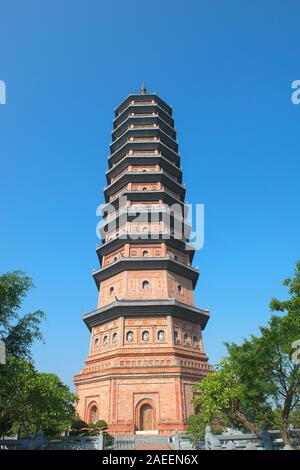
(151, 439)
(153, 447)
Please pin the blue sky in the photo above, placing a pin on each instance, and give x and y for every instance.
(226, 67)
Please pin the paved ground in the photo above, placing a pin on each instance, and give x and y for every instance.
(153, 447)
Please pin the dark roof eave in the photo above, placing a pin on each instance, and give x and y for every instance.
(154, 176)
(154, 145)
(144, 308)
(112, 245)
(139, 96)
(152, 195)
(108, 226)
(116, 131)
(132, 264)
(144, 132)
(146, 160)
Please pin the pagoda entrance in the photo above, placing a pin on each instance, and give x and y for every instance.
(146, 418)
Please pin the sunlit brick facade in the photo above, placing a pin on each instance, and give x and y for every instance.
(146, 348)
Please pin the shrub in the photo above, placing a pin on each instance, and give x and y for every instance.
(101, 424)
(78, 427)
(78, 424)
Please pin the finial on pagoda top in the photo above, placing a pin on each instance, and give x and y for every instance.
(143, 89)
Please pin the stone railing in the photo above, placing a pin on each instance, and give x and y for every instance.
(56, 443)
(232, 439)
(123, 442)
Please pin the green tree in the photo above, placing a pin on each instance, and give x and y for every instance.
(51, 405)
(30, 401)
(17, 377)
(258, 380)
(18, 331)
(276, 352)
(223, 400)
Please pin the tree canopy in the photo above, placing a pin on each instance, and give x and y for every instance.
(258, 383)
(29, 400)
(16, 330)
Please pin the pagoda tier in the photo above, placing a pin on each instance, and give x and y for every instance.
(146, 347)
(112, 246)
(140, 161)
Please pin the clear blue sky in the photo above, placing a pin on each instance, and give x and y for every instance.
(226, 67)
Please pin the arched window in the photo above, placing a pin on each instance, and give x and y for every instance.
(161, 335)
(186, 339)
(144, 188)
(145, 285)
(176, 336)
(111, 290)
(179, 289)
(115, 258)
(144, 228)
(93, 414)
(105, 341)
(195, 341)
(145, 336)
(114, 337)
(145, 253)
(129, 336)
(96, 343)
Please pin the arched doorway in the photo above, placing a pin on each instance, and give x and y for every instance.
(146, 417)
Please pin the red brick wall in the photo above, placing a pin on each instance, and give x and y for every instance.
(118, 376)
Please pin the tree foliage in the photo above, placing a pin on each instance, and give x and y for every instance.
(222, 399)
(258, 383)
(81, 428)
(18, 331)
(29, 400)
(17, 377)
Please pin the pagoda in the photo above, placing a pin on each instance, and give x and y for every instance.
(146, 348)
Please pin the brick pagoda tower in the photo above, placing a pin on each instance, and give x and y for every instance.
(146, 347)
